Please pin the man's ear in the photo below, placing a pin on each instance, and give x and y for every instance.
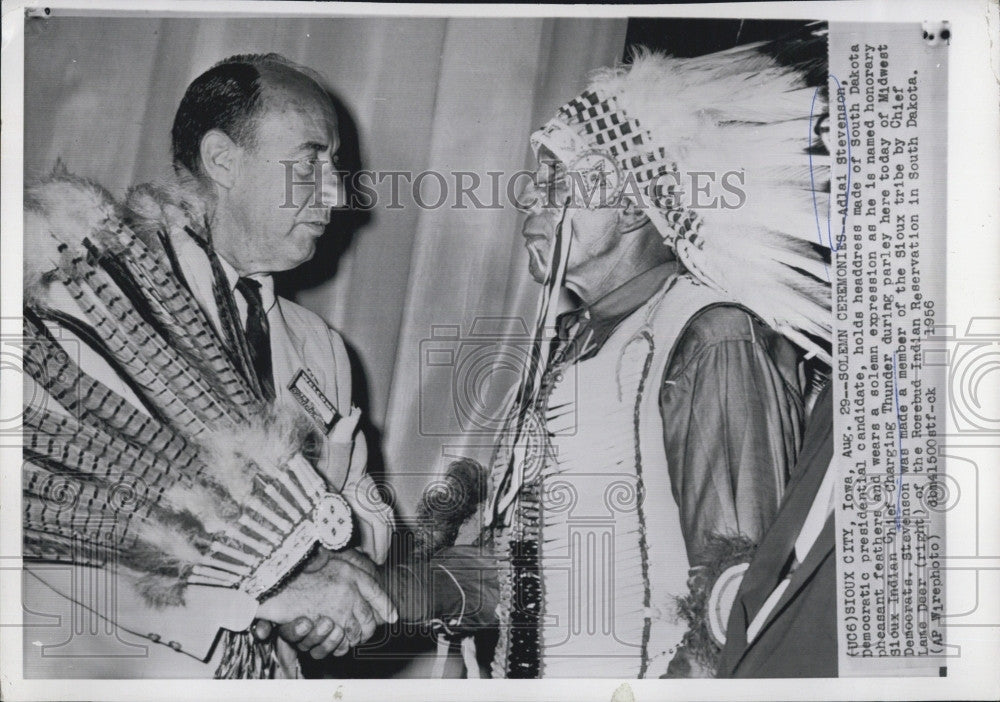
(220, 157)
(631, 217)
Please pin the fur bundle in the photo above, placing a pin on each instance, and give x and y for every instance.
(445, 505)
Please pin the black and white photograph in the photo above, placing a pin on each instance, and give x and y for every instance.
(362, 344)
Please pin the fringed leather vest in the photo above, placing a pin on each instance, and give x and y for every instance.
(594, 545)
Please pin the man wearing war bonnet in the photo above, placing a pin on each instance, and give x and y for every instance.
(650, 440)
(175, 398)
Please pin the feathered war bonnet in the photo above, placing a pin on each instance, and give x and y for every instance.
(654, 122)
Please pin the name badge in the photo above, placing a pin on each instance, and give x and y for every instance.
(306, 391)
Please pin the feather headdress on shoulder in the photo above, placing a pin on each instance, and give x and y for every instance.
(736, 114)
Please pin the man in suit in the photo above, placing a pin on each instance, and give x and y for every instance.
(783, 623)
(242, 128)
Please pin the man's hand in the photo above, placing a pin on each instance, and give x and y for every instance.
(343, 430)
(331, 607)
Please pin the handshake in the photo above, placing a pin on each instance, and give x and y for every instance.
(338, 599)
(335, 603)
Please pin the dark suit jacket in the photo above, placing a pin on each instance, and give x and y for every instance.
(799, 638)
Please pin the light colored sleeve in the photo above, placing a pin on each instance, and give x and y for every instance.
(374, 519)
(191, 628)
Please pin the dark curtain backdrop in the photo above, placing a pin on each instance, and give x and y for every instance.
(415, 94)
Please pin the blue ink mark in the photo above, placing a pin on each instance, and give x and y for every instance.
(812, 182)
(812, 176)
(899, 440)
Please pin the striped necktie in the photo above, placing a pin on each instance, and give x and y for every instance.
(258, 334)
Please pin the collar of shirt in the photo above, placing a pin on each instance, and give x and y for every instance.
(602, 317)
(266, 287)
